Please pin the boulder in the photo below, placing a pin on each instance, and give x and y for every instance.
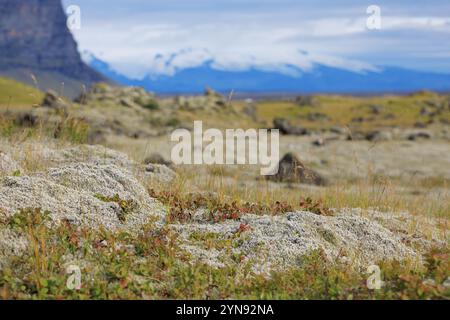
(286, 128)
(306, 101)
(126, 102)
(375, 109)
(424, 111)
(357, 135)
(160, 173)
(211, 101)
(213, 94)
(52, 100)
(319, 142)
(251, 112)
(390, 116)
(156, 158)
(420, 125)
(358, 120)
(291, 169)
(378, 135)
(419, 135)
(317, 116)
(27, 119)
(339, 130)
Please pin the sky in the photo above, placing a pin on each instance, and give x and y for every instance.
(154, 37)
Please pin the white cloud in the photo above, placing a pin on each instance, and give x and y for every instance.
(139, 48)
(437, 24)
(144, 50)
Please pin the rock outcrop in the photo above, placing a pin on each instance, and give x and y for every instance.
(280, 242)
(86, 185)
(35, 40)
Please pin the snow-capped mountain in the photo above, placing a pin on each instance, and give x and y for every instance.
(319, 79)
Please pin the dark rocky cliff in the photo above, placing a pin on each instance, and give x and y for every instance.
(34, 39)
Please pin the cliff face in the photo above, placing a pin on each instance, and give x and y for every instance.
(34, 39)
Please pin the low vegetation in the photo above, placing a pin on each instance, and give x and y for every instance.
(359, 113)
(23, 126)
(154, 263)
(221, 208)
(153, 266)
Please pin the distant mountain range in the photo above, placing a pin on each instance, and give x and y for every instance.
(37, 48)
(321, 79)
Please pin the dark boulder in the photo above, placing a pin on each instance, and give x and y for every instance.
(379, 135)
(52, 100)
(26, 119)
(292, 170)
(287, 128)
(156, 158)
(419, 135)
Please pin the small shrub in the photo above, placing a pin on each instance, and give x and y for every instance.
(150, 104)
(7, 126)
(173, 122)
(28, 218)
(182, 206)
(16, 173)
(73, 130)
(316, 207)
